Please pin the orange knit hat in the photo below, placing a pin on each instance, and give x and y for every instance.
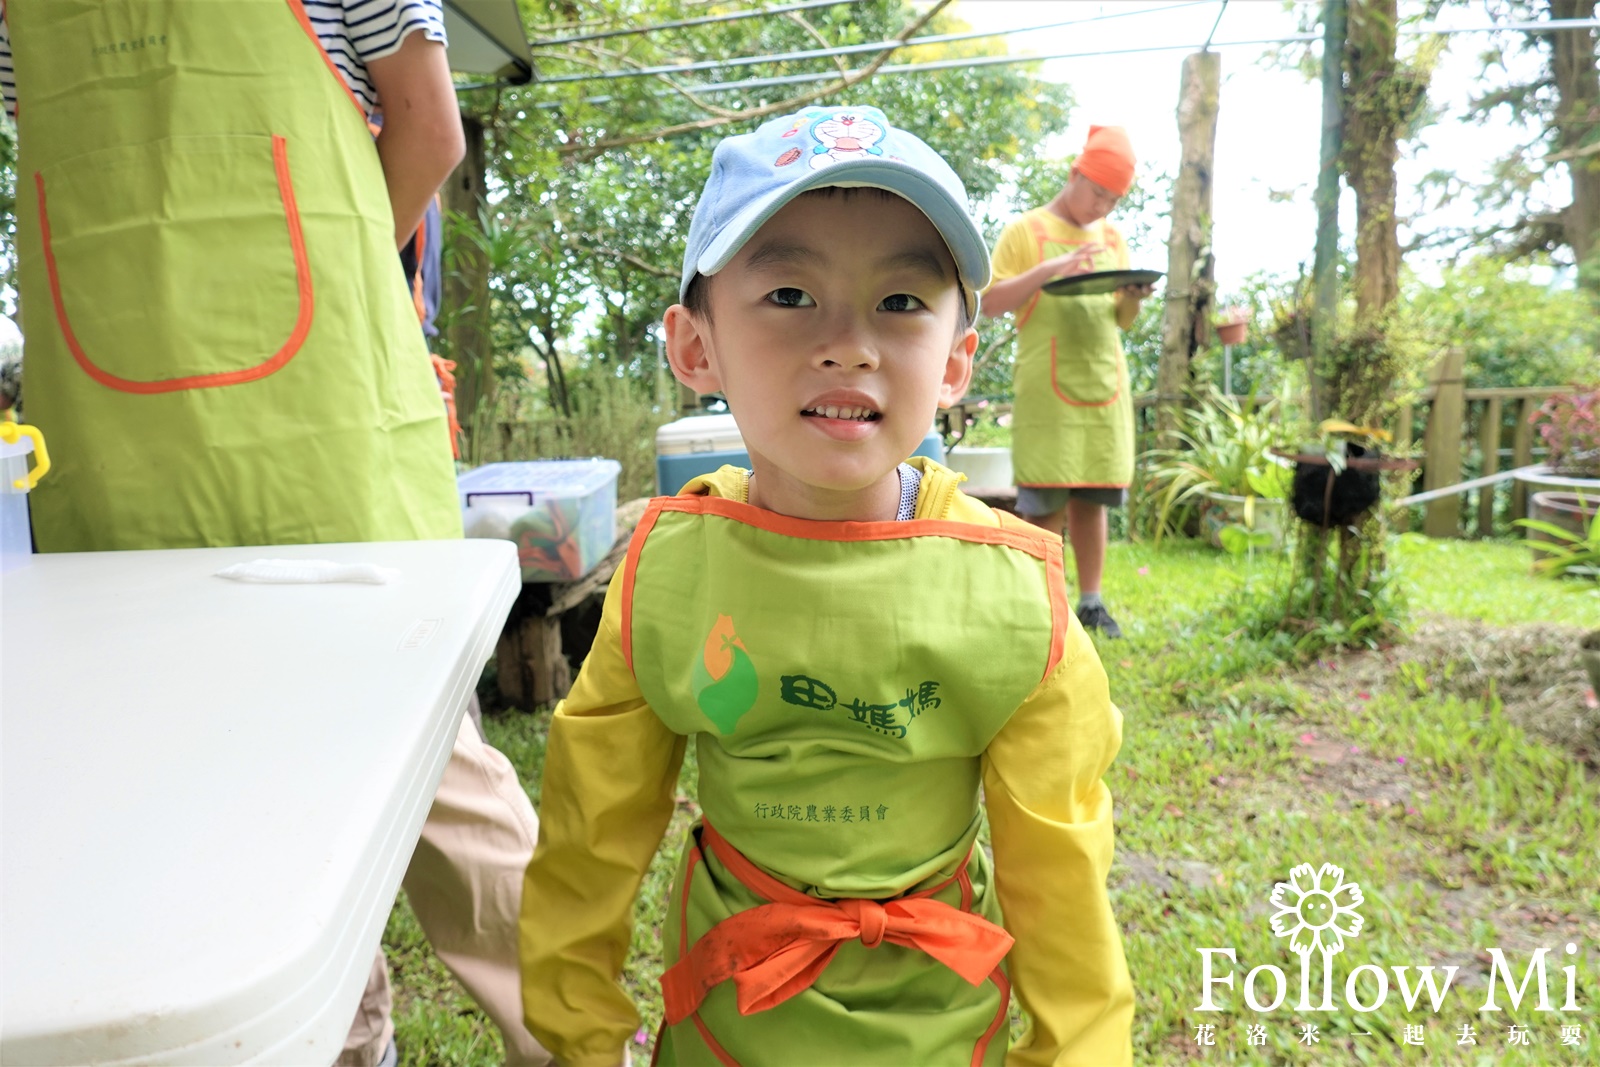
(1107, 159)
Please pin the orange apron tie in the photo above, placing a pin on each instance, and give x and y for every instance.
(775, 950)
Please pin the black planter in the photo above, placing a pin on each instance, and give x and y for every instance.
(1354, 491)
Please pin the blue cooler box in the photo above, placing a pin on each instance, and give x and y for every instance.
(700, 444)
(562, 513)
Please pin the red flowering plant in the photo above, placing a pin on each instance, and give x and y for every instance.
(1569, 423)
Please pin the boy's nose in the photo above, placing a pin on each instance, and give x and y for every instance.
(847, 348)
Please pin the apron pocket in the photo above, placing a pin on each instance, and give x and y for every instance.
(177, 264)
(1085, 383)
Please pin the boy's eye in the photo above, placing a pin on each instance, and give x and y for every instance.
(790, 297)
(901, 302)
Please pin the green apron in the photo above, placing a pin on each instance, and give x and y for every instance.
(220, 346)
(840, 710)
(1072, 417)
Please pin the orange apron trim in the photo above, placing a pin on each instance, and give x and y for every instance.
(1055, 383)
(302, 326)
(1010, 533)
(775, 950)
(299, 9)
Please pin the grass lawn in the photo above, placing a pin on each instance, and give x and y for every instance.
(1453, 778)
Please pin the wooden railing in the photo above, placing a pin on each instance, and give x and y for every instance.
(1466, 433)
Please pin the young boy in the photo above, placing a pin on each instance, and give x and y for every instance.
(856, 648)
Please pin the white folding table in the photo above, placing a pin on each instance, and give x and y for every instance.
(211, 790)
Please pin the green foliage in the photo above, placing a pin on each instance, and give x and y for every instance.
(1341, 592)
(987, 430)
(611, 414)
(1515, 331)
(1223, 447)
(8, 215)
(601, 177)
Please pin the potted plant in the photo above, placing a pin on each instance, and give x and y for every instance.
(1233, 325)
(1336, 479)
(1223, 473)
(1569, 426)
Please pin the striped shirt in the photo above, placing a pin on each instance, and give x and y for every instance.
(352, 32)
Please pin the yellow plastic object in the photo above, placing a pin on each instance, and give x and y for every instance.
(9, 432)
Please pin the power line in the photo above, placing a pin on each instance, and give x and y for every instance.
(734, 16)
(992, 61)
(850, 49)
(1220, 12)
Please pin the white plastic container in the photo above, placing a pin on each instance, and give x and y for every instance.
(694, 446)
(985, 468)
(562, 513)
(16, 538)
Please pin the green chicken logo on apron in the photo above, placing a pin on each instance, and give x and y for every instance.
(724, 679)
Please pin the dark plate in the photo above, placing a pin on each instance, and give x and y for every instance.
(1101, 281)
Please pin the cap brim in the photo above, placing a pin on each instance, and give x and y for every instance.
(948, 215)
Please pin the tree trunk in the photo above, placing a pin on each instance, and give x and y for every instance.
(1577, 81)
(1190, 282)
(467, 286)
(1325, 264)
(1379, 98)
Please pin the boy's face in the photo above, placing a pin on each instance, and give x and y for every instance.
(833, 334)
(1088, 202)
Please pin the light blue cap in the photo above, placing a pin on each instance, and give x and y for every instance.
(754, 174)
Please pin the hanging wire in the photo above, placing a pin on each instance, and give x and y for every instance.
(1220, 12)
(1551, 26)
(733, 16)
(850, 49)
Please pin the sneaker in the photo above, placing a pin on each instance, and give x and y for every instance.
(1098, 618)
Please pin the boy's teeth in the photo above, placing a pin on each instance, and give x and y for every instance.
(834, 411)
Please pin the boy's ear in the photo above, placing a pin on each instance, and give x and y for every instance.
(958, 368)
(688, 339)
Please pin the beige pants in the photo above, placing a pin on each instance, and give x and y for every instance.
(465, 884)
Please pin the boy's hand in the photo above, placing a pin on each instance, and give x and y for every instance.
(1078, 261)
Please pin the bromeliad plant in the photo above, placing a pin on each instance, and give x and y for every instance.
(1569, 424)
(1568, 553)
(1224, 447)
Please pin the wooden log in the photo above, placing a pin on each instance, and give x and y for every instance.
(1489, 448)
(549, 675)
(1522, 454)
(1443, 448)
(1189, 260)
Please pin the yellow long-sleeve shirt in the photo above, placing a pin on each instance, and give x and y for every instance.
(610, 770)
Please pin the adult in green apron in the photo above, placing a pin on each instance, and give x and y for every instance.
(220, 347)
(1072, 420)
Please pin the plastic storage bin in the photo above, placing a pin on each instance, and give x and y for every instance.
(562, 513)
(700, 444)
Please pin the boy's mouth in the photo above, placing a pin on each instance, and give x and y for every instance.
(852, 413)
